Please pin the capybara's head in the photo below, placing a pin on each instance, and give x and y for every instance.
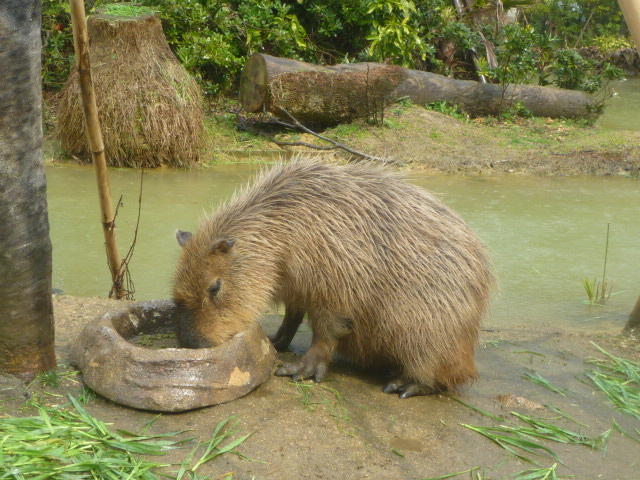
(207, 312)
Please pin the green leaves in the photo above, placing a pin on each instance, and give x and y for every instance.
(535, 377)
(394, 34)
(69, 444)
(214, 38)
(548, 473)
(521, 440)
(619, 379)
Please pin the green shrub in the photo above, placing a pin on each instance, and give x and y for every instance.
(571, 70)
(607, 43)
(576, 22)
(214, 38)
(57, 43)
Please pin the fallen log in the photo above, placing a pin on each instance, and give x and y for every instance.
(318, 94)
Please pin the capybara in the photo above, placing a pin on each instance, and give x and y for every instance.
(386, 273)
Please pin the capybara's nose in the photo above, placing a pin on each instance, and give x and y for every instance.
(188, 337)
(195, 342)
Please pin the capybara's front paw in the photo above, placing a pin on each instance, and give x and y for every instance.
(310, 366)
(408, 389)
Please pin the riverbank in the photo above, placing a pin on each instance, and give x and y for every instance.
(425, 139)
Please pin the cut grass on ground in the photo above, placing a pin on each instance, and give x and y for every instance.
(619, 379)
(522, 440)
(68, 443)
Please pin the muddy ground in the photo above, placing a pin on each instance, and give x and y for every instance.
(347, 428)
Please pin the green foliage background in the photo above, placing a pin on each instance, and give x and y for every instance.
(213, 38)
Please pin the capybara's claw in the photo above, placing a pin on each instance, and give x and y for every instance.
(288, 369)
(392, 387)
(409, 389)
(304, 369)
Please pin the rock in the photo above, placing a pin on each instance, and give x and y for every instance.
(169, 379)
(515, 401)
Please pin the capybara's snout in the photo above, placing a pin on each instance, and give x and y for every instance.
(186, 331)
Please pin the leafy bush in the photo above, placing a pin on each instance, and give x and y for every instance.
(214, 38)
(516, 54)
(571, 70)
(57, 43)
(577, 22)
(607, 43)
(394, 33)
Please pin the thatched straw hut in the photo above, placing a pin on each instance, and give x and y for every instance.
(150, 109)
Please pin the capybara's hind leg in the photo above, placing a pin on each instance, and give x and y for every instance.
(327, 330)
(290, 323)
(408, 388)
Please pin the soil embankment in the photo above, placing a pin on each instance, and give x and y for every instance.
(424, 139)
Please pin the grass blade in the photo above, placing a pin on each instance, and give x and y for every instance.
(538, 379)
(451, 475)
(478, 410)
(619, 379)
(71, 444)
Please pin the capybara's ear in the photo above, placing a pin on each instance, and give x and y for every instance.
(222, 246)
(183, 237)
(214, 288)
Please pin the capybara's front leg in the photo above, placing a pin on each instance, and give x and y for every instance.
(327, 330)
(290, 323)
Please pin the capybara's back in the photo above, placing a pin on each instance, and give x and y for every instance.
(386, 272)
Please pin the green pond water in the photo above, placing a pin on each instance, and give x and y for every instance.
(622, 111)
(545, 235)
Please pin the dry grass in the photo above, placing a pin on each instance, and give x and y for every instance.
(150, 108)
(431, 140)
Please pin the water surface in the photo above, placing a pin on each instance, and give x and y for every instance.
(622, 111)
(546, 235)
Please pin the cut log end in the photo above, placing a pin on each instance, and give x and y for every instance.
(253, 84)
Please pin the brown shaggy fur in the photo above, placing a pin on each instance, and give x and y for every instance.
(345, 242)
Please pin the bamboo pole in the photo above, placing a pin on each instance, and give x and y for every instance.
(96, 144)
(631, 11)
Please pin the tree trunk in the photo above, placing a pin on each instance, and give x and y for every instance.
(631, 11)
(26, 313)
(476, 98)
(633, 324)
(321, 94)
(317, 94)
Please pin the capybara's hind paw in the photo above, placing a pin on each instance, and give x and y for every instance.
(308, 367)
(409, 389)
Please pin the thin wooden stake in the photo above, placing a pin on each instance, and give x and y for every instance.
(94, 136)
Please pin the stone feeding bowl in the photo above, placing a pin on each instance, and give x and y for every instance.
(167, 379)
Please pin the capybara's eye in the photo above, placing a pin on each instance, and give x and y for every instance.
(222, 246)
(214, 288)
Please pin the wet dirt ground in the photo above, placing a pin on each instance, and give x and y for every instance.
(346, 428)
